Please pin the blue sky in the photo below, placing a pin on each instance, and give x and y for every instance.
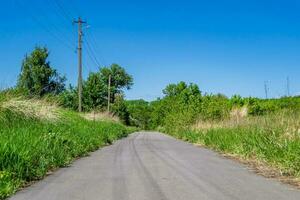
(229, 47)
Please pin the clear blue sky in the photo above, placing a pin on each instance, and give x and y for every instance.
(224, 46)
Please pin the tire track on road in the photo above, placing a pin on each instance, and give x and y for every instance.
(119, 188)
(186, 172)
(145, 174)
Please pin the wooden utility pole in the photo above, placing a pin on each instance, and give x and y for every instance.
(108, 96)
(80, 34)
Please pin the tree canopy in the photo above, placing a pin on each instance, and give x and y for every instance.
(120, 79)
(95, 88)
(37, 77)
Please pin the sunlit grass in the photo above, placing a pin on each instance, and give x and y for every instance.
(273, 139)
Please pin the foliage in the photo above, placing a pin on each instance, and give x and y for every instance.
(139, 113)
(215, 107)
(69, 98)
(37, 77)
(120, 80)
(94, 92)
(183, 104)
(176, 89)
(120, 109)
(265, 106)
(95, 88)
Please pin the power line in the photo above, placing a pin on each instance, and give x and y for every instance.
(63, 11)
(86, 61)
(46, 28)
(89, 44)
(57, 29)
(68, 12)
(93, 42)
(91, 53)
(86, 65)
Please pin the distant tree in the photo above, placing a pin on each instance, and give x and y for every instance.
(174, 89)
(69, 98)
(237, 100)
(139, 113)
(120, 109)
(37, 77)
(120, 79)
(95, 88)
(95, 91)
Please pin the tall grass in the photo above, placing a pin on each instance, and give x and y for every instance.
(30, 146)
(273, 139)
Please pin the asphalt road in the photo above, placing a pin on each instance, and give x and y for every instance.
(153, 166)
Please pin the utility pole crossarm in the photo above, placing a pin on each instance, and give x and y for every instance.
(79, 21)
(80, 34)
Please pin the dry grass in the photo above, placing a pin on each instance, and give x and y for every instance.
(268, 144)
(239, 113)
(238, 116)
(33, 108)
(288, 122)
(100, 116)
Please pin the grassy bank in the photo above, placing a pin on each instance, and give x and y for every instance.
(273, 140)
(36, 138)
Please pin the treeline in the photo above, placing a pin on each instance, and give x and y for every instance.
(184, 104)
(39, 79)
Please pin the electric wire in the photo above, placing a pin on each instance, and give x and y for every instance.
(44, 27)
(94, 46)
(90, 55)
(63, 10)
(93, 54)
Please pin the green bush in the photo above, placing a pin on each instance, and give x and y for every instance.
(184, 104)
(139, 113)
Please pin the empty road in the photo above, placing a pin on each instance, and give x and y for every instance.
(152, 166)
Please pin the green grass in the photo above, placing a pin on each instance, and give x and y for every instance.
(273, 139)
(30, 147)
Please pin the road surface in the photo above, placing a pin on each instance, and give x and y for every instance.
(153, 166)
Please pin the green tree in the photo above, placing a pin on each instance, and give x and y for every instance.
(94, 91)
(139, 113)
(174, 89)
(95, 88)
(37, 77)
(120, 79)
(180, 107)
(119, 108)
(69, 98)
